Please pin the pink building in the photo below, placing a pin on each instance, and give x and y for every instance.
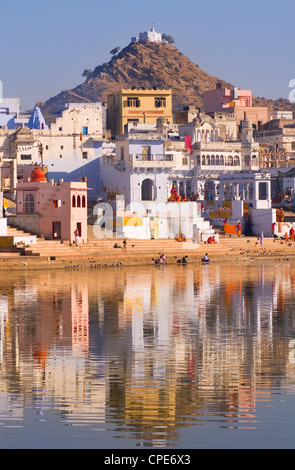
(233, 100)
(54, 210)
(221, 99)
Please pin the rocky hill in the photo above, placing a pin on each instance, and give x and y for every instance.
(148, 65)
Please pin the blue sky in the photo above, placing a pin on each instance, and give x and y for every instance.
(46, 45)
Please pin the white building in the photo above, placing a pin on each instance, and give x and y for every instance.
(151, 36)
(144, 164)
(214, 155)
(69, 147)
(150, 161)
(10, 114)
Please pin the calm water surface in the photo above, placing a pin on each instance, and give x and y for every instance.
(166, 357)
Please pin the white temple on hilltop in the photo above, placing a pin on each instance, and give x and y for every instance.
(151, 36)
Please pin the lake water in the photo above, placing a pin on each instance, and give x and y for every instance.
(142, 358)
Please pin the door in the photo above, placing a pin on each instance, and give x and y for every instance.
(56, 230)
(146, 152)
(147, 190)
(79, 227)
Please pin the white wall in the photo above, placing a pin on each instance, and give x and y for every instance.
(3, 227)
(262, 219)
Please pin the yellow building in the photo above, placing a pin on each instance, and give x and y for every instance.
(137, 106)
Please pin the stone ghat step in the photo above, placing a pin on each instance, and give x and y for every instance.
(18, 233)
(5, 254)
(110, 243)
(150, 244)
(154, 253)
(113, 252)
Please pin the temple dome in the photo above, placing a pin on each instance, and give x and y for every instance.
(37, 120)
(37, 175)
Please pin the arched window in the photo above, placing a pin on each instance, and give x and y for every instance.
(230, 160)
(74, 201)
(237, 160)
(78, 201)
(254, 160)
(198, 160)
(246, 162)
(221, 160)
(217, 160)
(147, 190)
(203, 160)
(212, 161)
(83, 201)
(207, 159)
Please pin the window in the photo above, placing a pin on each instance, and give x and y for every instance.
(146, 152)
(28, 202)
(133, 121)
(85, 155)
(133, 102)
(60, 128)
(26, 157)
(293, 146)
(74, 201)
(61, 147)
(169, 157)
(56, 203)
(185, 161)
(122, 153)
(46, 147)
(160, 102)
(85, 130)
(78, 201)
(83, 201)
(262, 191)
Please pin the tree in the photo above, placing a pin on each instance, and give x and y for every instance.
(115, 50)
(168, 38)
(86, 73)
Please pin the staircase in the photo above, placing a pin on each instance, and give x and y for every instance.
(57, 249)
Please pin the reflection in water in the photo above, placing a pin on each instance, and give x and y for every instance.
(147, 355)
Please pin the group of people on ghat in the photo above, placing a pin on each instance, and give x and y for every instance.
(175, 197)
(290, 236)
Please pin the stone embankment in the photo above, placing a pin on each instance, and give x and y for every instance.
(50, 254)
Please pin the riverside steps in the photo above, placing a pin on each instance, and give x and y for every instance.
(98, 253)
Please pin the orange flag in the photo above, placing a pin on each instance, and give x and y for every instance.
(81, 136)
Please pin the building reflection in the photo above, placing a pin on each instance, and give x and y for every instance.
(152, 351)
